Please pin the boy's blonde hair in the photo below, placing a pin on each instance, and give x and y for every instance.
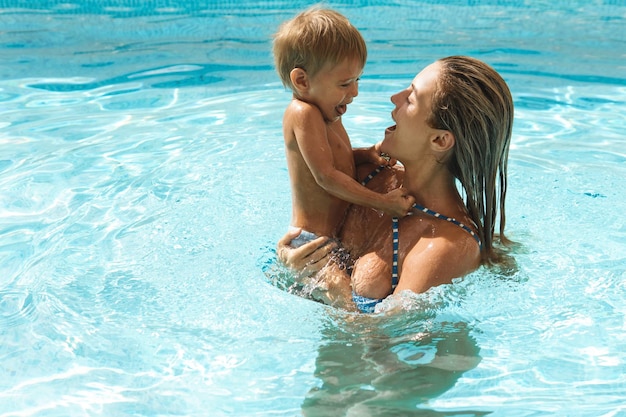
(314, 38)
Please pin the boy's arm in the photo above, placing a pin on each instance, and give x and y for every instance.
(363, 155)
(371, 155)
(310, 131)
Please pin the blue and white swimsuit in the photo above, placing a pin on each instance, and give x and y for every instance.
(303, 238)
(367, 305)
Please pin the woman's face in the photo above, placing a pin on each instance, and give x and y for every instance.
(410, 135)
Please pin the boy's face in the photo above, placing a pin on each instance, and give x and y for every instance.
(333, 88)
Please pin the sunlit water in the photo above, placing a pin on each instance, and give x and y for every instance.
(143, 187)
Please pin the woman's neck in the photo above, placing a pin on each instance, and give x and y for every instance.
(433, 186)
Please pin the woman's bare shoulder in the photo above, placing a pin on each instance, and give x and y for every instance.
(438, 259)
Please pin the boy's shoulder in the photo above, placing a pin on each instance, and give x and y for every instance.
(297, 105)
(301, 110)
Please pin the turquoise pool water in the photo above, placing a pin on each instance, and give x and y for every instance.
(143, 186)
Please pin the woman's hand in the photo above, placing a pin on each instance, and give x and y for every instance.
(333, 284)
(309, 258)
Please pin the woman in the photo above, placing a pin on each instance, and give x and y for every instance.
(453, 125)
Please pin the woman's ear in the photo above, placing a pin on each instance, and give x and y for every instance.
(443, 141)
(299, 79)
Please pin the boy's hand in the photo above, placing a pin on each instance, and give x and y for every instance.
(373, 155)
(381, 158)
(400, 202)
(386, 160)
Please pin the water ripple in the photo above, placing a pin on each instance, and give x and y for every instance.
(16, 307)
(143, 171)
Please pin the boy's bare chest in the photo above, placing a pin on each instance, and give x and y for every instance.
(341, 147)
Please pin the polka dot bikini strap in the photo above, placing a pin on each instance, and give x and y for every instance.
(372, 175)
(449, 219)
(395, 229)
(394, 265)
(394, 259)
(395, 237)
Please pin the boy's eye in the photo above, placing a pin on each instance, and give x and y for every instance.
(346, 85)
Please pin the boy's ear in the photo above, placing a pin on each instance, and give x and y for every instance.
(443, 141)
(299, 79)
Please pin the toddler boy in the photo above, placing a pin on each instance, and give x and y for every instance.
(320, 56)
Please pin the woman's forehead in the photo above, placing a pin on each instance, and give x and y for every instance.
(427, 78)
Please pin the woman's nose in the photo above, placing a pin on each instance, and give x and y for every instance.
(394, 98)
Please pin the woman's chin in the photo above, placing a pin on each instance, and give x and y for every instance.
(389, 132)
(384, 145)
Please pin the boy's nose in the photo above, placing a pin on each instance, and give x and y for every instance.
(355, 89)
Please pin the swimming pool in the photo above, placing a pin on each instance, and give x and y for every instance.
(144, 185)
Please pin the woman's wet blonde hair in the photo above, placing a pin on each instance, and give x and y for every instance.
(474, 103)
(313, 39)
